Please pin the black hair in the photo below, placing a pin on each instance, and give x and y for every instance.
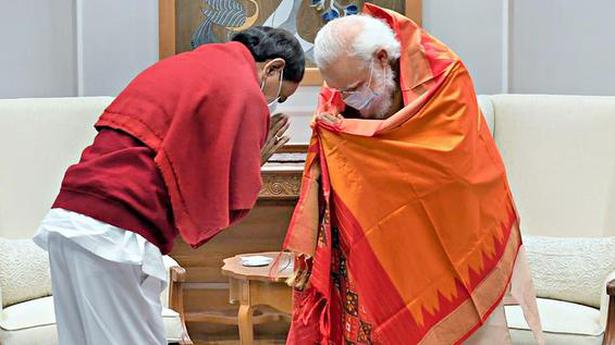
(267, 43)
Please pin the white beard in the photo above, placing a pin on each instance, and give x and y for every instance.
(379, 107)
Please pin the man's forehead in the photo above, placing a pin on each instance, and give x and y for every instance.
(345, 73)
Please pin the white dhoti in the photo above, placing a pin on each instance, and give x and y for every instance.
(99, 301)
(521, 292)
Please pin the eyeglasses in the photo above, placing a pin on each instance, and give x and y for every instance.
(357, 89)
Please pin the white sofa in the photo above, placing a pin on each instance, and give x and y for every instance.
(560, 155)
(39, 139)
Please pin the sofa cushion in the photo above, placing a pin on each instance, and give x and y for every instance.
(172, 325)
(525, 337)
(30, 314)
(559, 317)
(570, 269)
(33, 323)
(24, 271)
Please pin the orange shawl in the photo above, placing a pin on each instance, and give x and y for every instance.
(420, 203)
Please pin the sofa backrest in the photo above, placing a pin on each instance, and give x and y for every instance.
(40, 139)
(560, 155)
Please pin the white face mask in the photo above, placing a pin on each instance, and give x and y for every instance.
(273, 105)
(361, 98)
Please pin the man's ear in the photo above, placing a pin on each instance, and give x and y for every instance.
(382, 57)
(275, 65)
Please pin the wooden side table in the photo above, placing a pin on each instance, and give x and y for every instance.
(252, 287)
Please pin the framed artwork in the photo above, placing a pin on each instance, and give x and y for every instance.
(186, 24)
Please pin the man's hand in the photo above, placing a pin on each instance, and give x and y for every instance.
(329, 118)
(277, 129)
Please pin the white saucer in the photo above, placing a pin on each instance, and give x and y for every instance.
(255, 261)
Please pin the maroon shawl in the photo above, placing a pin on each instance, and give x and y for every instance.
(204, 115)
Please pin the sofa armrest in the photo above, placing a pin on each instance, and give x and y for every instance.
(173, 296)
(168, 262)
(604, 301)
(488, 110)
(609, 332)
(176, 289)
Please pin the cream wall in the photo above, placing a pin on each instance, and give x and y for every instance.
(37, 50)
(563, 46)
(116, 39)
(74, 47)
(476, 31)
(531, 46)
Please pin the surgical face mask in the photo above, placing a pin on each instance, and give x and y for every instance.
(361, 98)
(273, 105)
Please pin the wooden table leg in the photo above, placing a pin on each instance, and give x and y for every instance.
(250, 291)
(246, 327)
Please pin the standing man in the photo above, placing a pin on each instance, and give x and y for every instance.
(406, 230)
(178, 152)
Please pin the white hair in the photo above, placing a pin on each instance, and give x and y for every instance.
(356, 35)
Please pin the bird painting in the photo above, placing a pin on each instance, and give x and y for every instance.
(229, 14)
